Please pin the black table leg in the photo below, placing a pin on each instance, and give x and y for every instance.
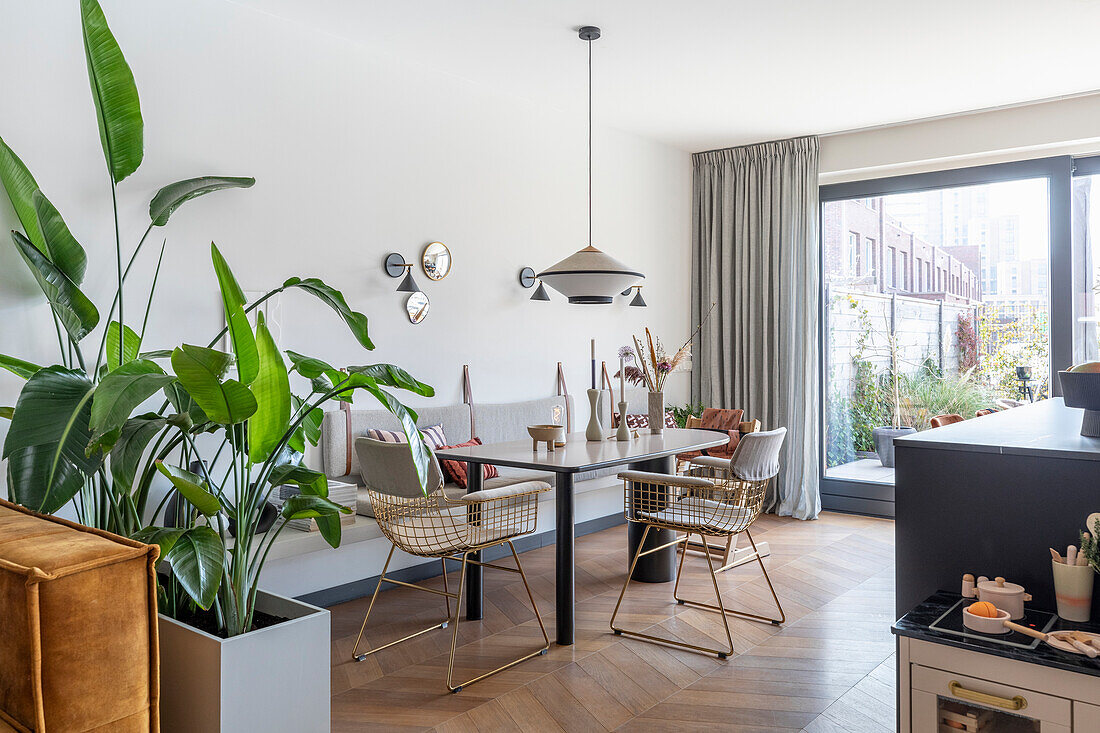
(656, 567)
(563, 488)
(474, 476)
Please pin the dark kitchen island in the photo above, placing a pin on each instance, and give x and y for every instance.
(988, 496)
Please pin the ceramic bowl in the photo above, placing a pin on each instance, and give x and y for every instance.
(555, 433)
(985, 624)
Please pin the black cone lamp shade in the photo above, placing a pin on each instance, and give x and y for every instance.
(540, 293)
(408, 285)
(638, 302)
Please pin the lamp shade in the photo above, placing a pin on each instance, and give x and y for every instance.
(590, 276)
(540, 293)
(638, 302)
(408, 285)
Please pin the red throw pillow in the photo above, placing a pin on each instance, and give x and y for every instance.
(636, 422)
(456, 470)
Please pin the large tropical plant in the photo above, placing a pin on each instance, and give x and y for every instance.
(50, 451)
(77, 430)
(262, 429)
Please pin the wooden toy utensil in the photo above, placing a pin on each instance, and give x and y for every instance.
(1066, 641)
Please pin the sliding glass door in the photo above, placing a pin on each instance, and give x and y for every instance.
(939, 297)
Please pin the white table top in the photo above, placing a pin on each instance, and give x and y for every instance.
(580, 455)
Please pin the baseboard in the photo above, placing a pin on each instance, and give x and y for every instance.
(432, 568)
(857, 505)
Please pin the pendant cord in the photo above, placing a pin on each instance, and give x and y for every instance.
(590, 143)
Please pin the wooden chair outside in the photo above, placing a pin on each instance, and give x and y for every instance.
(949, 419)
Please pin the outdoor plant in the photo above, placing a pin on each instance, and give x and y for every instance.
(681, 413)
(76, 431)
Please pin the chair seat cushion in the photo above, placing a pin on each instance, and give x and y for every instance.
(697, 515)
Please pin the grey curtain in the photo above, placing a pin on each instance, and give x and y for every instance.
(755, 253)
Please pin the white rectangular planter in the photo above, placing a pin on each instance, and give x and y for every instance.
(272, 680)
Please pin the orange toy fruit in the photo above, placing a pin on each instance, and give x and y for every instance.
(983, 608)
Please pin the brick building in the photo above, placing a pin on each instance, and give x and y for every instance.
(867, 249)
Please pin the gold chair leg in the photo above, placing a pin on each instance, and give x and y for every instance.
(458, 613)
(672, 642)
(383, 579)
(744, 614)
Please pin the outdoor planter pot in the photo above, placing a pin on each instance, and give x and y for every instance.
(274, 679)
(884, 442)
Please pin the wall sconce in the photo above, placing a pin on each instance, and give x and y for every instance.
(638, 302)
(395, 265)
(527, 279)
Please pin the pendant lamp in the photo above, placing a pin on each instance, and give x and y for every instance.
(590, 275)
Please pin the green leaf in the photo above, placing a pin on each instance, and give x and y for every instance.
(240, 332)
(164, 537)
(18, 367)
(193, 488)
(61, 247)
(46, 441)
(183, 404)
(118, 110)
(130, 447)
(174, 195)
(120, 393)
(7, 412)
(73, 309)
(407, 417)
(130, 347)
(305, 506)
(156, 354)
(199, 370)
(334, 299)
(196, 559)
(271, 389)
(308, 366)
(393, 376)
(20, 187)
(311, 483)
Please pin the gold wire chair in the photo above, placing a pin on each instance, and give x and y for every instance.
(450, 529)
(719, 498)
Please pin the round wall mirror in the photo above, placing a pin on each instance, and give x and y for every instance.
(417, 307)
(436, 261)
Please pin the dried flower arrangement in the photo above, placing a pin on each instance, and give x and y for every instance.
(654, 363)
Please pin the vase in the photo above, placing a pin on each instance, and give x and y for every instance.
(623, 433)
(656, 412)
(594, 432)
(884, 442)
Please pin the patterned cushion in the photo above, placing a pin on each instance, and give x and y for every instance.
(642, 421)
(433, 436)
(455, 471)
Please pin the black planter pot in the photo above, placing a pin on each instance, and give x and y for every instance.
(884, 442)
(268, 515)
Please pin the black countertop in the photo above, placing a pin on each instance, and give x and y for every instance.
(915, 625)
(1047, 428)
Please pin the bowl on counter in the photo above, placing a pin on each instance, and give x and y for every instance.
(1082, 390)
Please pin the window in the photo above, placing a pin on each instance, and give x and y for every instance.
(954, 239)
(853, 252)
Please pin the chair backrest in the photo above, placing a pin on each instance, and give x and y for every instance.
(721, 419)
(940, 420)
(984, 411)
(756, 457)
(388, 468)
(693, 422)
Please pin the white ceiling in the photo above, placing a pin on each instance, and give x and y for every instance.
(701, 74)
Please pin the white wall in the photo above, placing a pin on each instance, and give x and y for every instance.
(1066, 126)
(355, 156)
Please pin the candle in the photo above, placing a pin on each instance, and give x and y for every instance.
(593, 363)
(622, 380)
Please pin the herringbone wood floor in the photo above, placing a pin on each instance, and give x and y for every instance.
(829, 668)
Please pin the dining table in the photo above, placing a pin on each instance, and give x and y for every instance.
(647, 451)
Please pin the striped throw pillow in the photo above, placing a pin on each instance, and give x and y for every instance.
(433, 436)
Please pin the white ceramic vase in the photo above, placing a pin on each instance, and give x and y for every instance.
(594, 431)
(623, 433)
